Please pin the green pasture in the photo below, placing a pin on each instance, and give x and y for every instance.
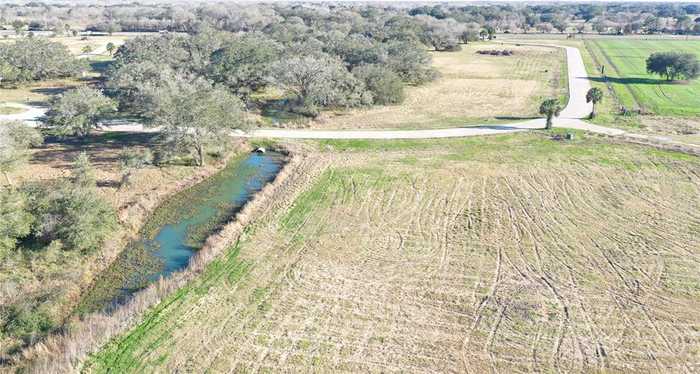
(625, 69)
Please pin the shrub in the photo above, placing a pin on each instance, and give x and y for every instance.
(16, 139)
(131, 159)
(493, 52)
(385, 85)
(15, 219)
(72, 211)
(135, 159)
(26, 323)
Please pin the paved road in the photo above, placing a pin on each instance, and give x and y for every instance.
(576, 108)
(570, 117)
(31, 114)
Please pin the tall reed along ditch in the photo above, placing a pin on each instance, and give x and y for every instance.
(178, 228)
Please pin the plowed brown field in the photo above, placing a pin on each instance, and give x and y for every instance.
(507, 254)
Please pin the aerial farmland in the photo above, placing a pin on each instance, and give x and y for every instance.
(344, 187)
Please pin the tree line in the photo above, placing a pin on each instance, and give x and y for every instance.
(197, 87)
(617, 18)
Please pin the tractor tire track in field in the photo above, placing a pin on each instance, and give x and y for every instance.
(463, 266)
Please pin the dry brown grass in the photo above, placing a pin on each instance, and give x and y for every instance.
(37, 92)
(54, 158)
(64, 352)
(676, 127)
(57, 277)
(472, 89)
(75, 44)
(508, 254)
(10, 109)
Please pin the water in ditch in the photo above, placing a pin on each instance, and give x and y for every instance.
(178, 228)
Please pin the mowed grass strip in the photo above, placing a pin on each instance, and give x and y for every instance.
(510, 253)
(625, 61)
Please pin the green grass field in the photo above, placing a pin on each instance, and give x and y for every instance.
(625, 64)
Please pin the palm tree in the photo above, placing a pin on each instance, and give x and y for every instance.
(111, 47)
(594, 95)
(550, 108)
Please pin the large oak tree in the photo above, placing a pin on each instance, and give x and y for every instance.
(673, 65)
(194, 115)
(77, 111)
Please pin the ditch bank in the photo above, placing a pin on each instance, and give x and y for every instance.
(105, 317)
(178, 228)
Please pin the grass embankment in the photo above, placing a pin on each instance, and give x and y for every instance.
(228, 270)
(513, 253)
(206, 206)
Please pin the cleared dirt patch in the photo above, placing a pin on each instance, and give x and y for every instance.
(472, 89)
(510, 253)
